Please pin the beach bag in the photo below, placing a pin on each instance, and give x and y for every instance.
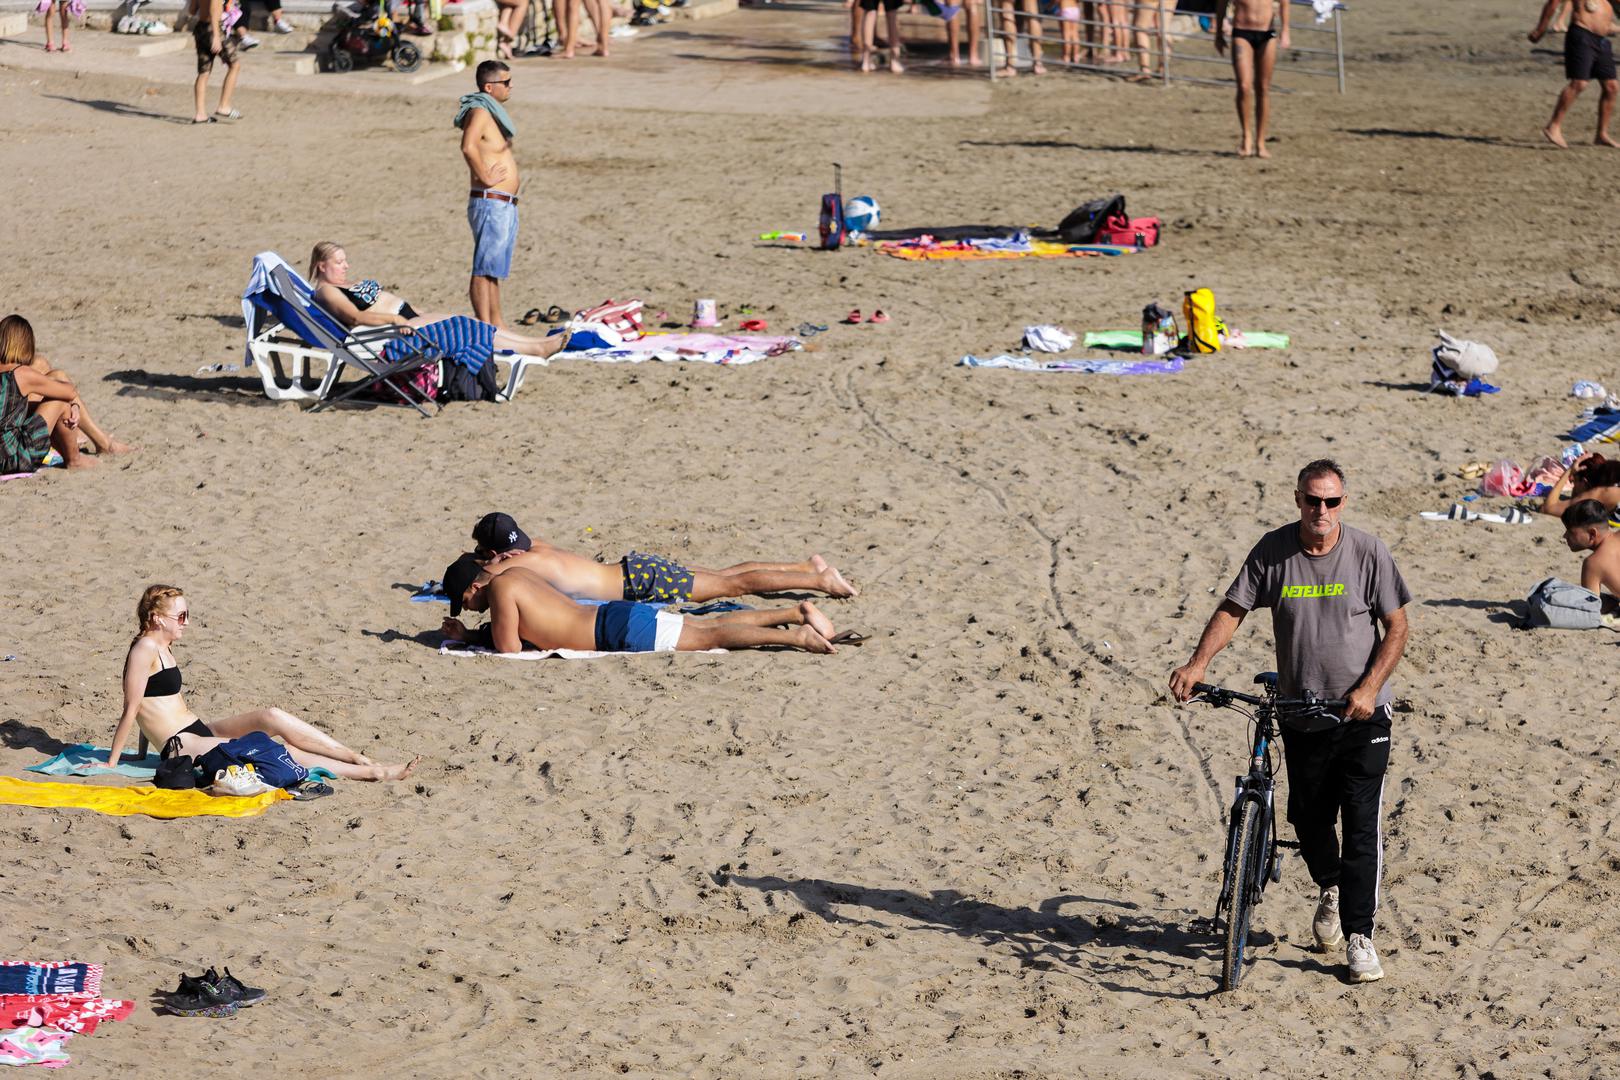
(1204, 330)
(463, 385)
(1082, 223)
(1563, 606)
(425, 380)
(623, 317)
(269, 759)
(1140, 232)
(1503, 480)
(833, 228)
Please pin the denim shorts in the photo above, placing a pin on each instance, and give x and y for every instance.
(494, 228)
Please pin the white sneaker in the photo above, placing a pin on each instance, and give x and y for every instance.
(249, 42)
(1325, 925)
(282, 26)
(1363, 960)
(239, 780)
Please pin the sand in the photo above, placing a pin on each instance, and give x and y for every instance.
(975, 847)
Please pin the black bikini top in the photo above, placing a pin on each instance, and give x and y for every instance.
(164, 682)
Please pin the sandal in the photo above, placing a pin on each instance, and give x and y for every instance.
(809, 329)
(849, 637)
(879, 316)
(555, 314)
(530, 317)
(853, 317)
(234, 114)
(753, 326)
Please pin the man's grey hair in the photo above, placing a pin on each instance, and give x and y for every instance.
(1319, 467)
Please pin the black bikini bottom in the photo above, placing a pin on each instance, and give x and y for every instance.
(196, 727)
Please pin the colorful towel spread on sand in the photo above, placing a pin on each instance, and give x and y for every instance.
(124, 801)
(1594, 426)
(926, 247)
(87, 760)
(1132, 340)
(732, 350)
(34, 1046)
(1168, 366)
(50, 976)
(68, 1012)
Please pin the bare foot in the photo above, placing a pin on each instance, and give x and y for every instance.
(1009, 72)
(1245, 149)
(975, 61)
(1260, 151)
(1605, 139)
(896, 67)
(396, 772)
(1038, 68)
(817, 563)
(566, 54)
(867, 65)
(116, 447)
(955, 61)
(834, 585)
(1555, 136)
(814, 619)
(810, 641)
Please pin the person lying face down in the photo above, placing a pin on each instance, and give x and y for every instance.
(645, 578)
(525, 611)
(1586, 528)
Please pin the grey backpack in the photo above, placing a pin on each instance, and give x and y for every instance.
(1563, 606)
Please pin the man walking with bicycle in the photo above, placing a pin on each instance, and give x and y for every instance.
(1331, 589)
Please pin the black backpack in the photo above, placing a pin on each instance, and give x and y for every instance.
(1081, 226)
(462, 385)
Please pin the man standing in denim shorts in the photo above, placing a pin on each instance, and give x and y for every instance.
(492, 204)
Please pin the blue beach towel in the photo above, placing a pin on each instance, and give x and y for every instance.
(81, 760)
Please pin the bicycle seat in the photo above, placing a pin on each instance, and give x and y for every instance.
(1267, 679)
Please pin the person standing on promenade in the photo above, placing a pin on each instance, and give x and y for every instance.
(1254, 56)
(1588, 55)
(1330, 589)
(492, 203)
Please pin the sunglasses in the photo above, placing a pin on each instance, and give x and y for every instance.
(181, 617)
(499, 82)
(1330, 501)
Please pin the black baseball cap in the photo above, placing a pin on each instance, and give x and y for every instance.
(457, 576)
(498, 533)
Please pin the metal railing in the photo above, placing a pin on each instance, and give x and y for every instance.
(1002, 19)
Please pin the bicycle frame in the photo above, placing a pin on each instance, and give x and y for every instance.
(1256, 786)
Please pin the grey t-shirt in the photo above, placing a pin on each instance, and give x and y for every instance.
(1324, 608)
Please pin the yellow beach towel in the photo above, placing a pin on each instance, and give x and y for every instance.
(123, 801)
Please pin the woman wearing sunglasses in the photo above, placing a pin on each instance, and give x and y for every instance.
(153, 700)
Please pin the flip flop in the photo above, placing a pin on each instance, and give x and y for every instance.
(879, 316)
(809, 329)
(530, 317)
(853, 317)
(849, 637)
(234, 114)
(753, 325)
(210, 120)
(555, 314)
(310, 789)
(1458, 512)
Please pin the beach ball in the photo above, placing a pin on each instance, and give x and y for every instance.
(861, 213)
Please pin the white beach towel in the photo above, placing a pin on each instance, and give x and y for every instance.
(454, 649)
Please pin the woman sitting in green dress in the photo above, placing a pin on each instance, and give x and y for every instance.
(28, 431)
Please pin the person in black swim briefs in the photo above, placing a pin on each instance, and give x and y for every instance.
(1588, 55)
(1254, 56)
(526, 612)
(645, 578)
(152, 700)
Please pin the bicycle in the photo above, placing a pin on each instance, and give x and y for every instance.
(1252, 859)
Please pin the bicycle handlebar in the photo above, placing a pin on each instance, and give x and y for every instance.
(1219, 695)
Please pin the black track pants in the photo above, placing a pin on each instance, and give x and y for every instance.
(1338, 775)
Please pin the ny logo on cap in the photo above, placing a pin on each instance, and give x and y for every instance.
(511, 537)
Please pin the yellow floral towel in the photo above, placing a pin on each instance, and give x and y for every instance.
(123, 801)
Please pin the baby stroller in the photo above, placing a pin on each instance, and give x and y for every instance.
(366, 32)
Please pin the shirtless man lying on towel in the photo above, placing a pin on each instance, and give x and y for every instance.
(645, 578)
(525, 611)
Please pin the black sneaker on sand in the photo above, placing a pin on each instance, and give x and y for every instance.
(198, 997)
(232, 989)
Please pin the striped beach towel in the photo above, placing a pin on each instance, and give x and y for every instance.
(461, 339)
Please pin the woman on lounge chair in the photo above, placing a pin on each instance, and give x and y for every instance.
(365, 303)
(1589, 476)
(17, 347)
(153, 700)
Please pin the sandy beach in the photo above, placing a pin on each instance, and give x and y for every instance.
(975, 847)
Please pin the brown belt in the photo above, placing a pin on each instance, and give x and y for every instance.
(491, 193)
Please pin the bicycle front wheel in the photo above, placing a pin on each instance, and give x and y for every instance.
(1247, 863)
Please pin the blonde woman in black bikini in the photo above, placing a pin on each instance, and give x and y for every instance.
(153, 700)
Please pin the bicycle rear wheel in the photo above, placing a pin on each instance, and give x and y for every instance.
(1246, 864)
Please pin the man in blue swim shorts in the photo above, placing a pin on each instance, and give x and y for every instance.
(492, 201)
(525, 612)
